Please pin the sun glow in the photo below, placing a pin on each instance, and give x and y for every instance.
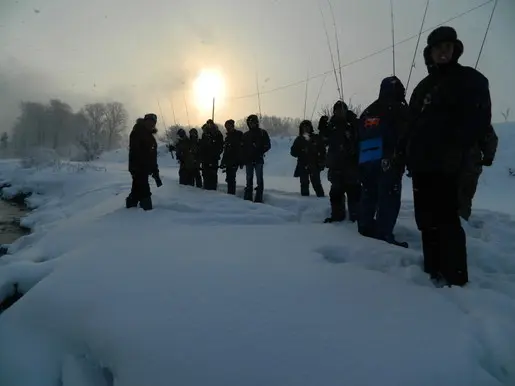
(208, 85)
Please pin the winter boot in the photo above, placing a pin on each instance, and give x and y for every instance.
(146, 204)
(454, 256)
(431, 251)
(337, 213)
(247, 196)
(259, 196)
(130, 202)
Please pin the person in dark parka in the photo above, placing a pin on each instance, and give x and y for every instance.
(449, 109)
(142, 161)
(255, 144)
(309, 149)
(342, 161)
(183, 151)
(232, 154)
(195, 151)
(211, 148)
(382, 130)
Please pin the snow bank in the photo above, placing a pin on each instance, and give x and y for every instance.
(211, 289)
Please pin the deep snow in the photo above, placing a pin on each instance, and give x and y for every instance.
(210, 289)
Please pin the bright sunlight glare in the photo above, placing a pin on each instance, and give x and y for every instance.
(208, 85)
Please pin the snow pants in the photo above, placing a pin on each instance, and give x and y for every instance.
(380, 201)
(340, 188)
(308, 175)
(444, 247)
(140, 192)
(251, 169)
(210, 176)
(230, 178)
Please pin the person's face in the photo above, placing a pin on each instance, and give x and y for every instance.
(253, 125)
(442, 53)
(150, 124)
(229, 127)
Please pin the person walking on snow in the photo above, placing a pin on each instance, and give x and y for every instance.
(382, 129)
(449, 110)
(143, 162)
(231, 157)
(309, 149)
(255, 144)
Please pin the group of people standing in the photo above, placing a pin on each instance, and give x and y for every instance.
(200, 160)
(442, 138)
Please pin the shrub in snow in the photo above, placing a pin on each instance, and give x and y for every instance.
(40, 158)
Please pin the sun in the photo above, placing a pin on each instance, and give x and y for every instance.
(208, 85)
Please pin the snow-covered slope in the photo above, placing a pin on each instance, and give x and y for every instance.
(210, 289)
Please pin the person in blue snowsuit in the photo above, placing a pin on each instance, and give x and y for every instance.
(382, 133)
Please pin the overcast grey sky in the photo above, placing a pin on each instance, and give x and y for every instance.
(139, 52)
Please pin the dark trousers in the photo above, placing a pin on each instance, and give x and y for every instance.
(339, 189)
(380, 201)
(230, 178)
(210, 176)
(313, 176)
(252, 169)
(140, 192)
(197, 177)
(436, 202)
(185, 176)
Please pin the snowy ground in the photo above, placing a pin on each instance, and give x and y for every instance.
(208, 289)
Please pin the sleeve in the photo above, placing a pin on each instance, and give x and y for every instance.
(266, 142)
(476, 113)
(295, 148)
(488, 144)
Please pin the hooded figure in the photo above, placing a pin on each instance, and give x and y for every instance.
(142, 161)
(449, 111)
(342, 161)
(195, 151)
(382, 130)
(211, 148)
(183, 151)
(255, 144)
(309, 149)
(232, 153)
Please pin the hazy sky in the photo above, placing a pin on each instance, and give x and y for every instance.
(139, 52)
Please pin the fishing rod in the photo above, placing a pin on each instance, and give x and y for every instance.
(486, 33)
(173, 112)
(258, 95)
(330, 51)
(418, 42)
(186, 107)
(393, 35)
(318, 96)
(337, 48)
(162, 116)
(306, 94)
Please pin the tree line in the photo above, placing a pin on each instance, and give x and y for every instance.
(81, 135)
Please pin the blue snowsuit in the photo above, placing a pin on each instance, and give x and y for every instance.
(382, 131)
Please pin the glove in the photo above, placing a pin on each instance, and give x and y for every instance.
(487, 162)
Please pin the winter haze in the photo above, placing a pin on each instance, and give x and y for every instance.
(138, 52)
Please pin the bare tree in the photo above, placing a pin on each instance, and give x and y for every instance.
(116, 117)
(4, 141)
(92, 119)
(506, 114)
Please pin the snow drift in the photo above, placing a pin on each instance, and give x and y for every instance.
(211, 289)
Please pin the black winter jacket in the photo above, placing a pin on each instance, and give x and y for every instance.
(142, 151)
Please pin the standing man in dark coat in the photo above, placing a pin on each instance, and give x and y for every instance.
(382, 130)
(211, 148)
(342, 161)
(142, 162)
(183, 151)
(195, 151)
(232, 153)
(255, 143)
(309, 149)
(449, 109)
